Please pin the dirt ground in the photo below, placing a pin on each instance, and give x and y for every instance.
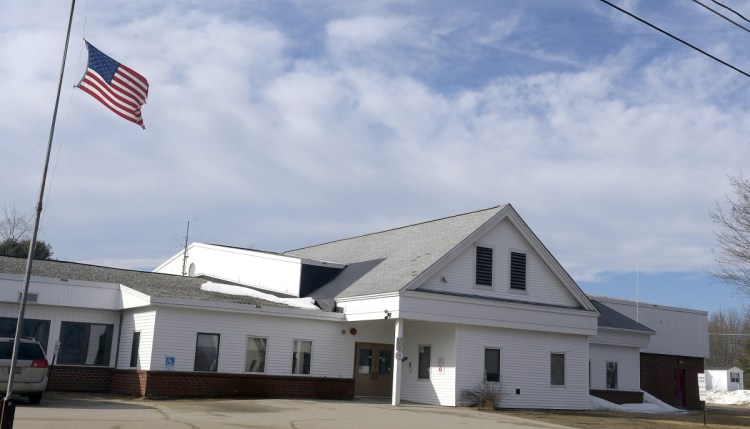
(716, 417)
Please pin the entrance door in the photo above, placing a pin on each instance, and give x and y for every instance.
(679, 387)
(373, 369)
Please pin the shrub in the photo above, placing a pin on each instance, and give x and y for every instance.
(483, 396)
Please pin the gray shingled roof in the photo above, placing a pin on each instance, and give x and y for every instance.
(613, 319)
(406, 251)
(152, 284)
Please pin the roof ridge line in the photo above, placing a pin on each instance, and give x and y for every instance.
(393, 229)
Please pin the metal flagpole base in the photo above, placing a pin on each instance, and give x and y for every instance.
(7, 413)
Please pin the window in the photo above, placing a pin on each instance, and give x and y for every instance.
(492, 365)
(207, 352)
(255, 360)
(134, 349)
(557, 369)
(302, 357)
(517, 270)
(734, 377)
(484, 266)
(37, 329)
(424, 362)
(385, 361)
(85, 343)
(611, 375)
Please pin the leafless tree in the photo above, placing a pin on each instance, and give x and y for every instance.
(729, 337)
(14, 226)
(733, 237)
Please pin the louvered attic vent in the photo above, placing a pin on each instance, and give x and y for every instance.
(484, 266)
(517, 270)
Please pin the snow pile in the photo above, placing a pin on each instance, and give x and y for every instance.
(306, 303)
(738, 397)
(650, 405)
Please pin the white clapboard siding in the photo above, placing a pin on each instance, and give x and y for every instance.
(374, 331)
(262, 270)
(63, 293)
(628, 366)
(458, 276)
(439, 389)
(57, 315)
(177, 329)
(370, 308)
(137, 321)
(525, 365)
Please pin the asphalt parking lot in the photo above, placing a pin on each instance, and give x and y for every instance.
(82, 412)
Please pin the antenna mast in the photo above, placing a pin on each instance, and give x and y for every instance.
(184, 252)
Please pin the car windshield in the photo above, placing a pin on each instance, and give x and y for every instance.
(28, 351)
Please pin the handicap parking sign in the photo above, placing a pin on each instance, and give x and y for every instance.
(169, 362)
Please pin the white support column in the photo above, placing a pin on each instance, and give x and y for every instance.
(398, 345)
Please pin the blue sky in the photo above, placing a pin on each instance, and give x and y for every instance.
(279, 124)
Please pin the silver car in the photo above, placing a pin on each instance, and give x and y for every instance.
(31, 368)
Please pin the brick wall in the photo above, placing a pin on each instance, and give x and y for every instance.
(129, 382)
(170, 384)
(619, 396)
(658, 378)
(198, 384)
(94, 379)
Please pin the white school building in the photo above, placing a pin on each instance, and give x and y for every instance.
(419, 313)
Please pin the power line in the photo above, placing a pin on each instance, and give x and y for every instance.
(731, 10)
(723, 16)
(676, 38)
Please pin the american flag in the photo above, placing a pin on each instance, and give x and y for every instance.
(116, 86)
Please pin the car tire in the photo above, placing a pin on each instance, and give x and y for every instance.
(35, 398)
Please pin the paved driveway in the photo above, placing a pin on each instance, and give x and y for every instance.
(84, 412)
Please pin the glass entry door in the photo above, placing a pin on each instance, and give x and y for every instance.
(373, 369)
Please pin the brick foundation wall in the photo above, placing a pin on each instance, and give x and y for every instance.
(93, 379)
(198, 384)
(171, 384)
(129, 382)
(619, 396)
(658, 378)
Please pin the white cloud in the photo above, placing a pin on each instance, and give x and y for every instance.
(261, 143)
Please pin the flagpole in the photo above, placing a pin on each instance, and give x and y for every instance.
(32, 244)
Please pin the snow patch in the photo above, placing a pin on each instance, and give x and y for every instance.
(650, 405)
(737, 397)
(306, 303)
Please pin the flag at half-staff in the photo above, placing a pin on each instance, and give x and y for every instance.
(118, 87)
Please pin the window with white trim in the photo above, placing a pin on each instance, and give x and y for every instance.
(302, 357)
(611, 375)
(734, 377)
(492, 365)
(207, 352)
(85, 343)
(255, 359)
(557, 369)
(424, 362)
(134, 346)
